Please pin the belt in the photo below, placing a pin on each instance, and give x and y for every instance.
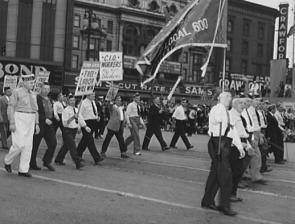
(26, 112)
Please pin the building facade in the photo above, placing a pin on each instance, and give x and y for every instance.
(32, 37)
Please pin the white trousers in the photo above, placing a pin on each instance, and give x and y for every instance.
(22, 141)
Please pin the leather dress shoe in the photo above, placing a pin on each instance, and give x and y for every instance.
(103, 155)
(165, 148)
(8, 168)
(79, 165)
(173, 147)
(266, 170)
(35, 167)
(59, 163)
(24, 174)
(146, 149)
(97, 162)
(262, 182)
(124, 156)
(212, 207)
(280, 162)
(235, 199)
(190, 147)
(49, 166)
(137, 153)
(227, 211)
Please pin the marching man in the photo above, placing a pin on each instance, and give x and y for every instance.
(23, 116)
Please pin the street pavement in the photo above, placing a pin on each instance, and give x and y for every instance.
(155, 188)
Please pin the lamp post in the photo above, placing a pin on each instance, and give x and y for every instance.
(90, 21)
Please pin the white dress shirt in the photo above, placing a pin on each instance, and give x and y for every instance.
(57, 109)
(280, 119)
(179, 113)
(132, 110)
(86, 110)
(67, 114)
(246, 115)
(237, 123)
(254, 118)
(121, 112)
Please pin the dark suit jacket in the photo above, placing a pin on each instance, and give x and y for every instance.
(41, 110)
(155, 119)
(3, 110)
(273, 131)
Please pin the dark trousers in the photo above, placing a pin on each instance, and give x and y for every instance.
(238, 167)
(58, 124)
(48, 133)
(180, 132)
(5, 133)
(150, 131)
(87, 141)
(220, 175)
(120, 138)
(69, 135)
(191, 129)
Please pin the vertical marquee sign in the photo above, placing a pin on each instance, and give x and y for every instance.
(283, 31)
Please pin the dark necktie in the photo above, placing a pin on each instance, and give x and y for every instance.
(93, 108)
(258, 117)
(249, 117)
(76, 119)
(138, 111)
(244, 122)
(265, 121)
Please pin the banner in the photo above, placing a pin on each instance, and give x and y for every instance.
(282, 31)
(87, 78)
(10, 81)
(112, 93)
(111, 66)
(40, 78)
(202, 23)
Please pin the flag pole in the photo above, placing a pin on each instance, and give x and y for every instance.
(223, 69)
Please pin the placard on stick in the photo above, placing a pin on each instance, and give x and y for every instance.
(111, 66)
(10, 81)
(40, 78)
(112, 93)
(87, 78)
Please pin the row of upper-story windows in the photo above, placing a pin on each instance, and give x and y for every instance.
(247, 28)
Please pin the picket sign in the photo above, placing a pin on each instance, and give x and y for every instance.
(10, 81)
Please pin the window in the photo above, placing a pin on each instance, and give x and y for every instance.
(198, 59)
(261, 31)
(230, 25)
(76, 40)
(77, 20)
(227, 65)
(245, 47)
(185, 58)
(110, 27)
(153, 6)
(109, 45)
(259, 50)
(246, 27)
(92, 44)
(229, 44)
(75, 61)
(244, 66)
(184, 73)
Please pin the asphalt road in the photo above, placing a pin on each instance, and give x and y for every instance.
(158, 187)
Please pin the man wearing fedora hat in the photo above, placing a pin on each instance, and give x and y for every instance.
(23, 118)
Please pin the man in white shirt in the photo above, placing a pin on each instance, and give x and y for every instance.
(89, 113)
(134, 122)
(253, 127)
(181, 118)
(71, 122)
(238, 165)
(219, 146)
(58, 108)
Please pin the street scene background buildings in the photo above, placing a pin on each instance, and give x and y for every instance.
(58, 35)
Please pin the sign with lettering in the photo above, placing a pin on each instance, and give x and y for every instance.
(283, 31)
(10, 81)
(40, 78)
(87, 78)
(111, 66)
(112, 92)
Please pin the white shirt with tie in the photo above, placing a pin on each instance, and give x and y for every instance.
(262, 117)
(179, 113)
(86, 110)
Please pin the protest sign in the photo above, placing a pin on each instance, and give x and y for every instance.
(112, 93)
(87, 78)
(40, 78)
(10, 81)
(111, 66)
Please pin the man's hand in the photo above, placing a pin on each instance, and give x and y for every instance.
(12, 127)
(242, 154)
(87, 129)
(57, 118)
(37, 129)
(48, 121)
